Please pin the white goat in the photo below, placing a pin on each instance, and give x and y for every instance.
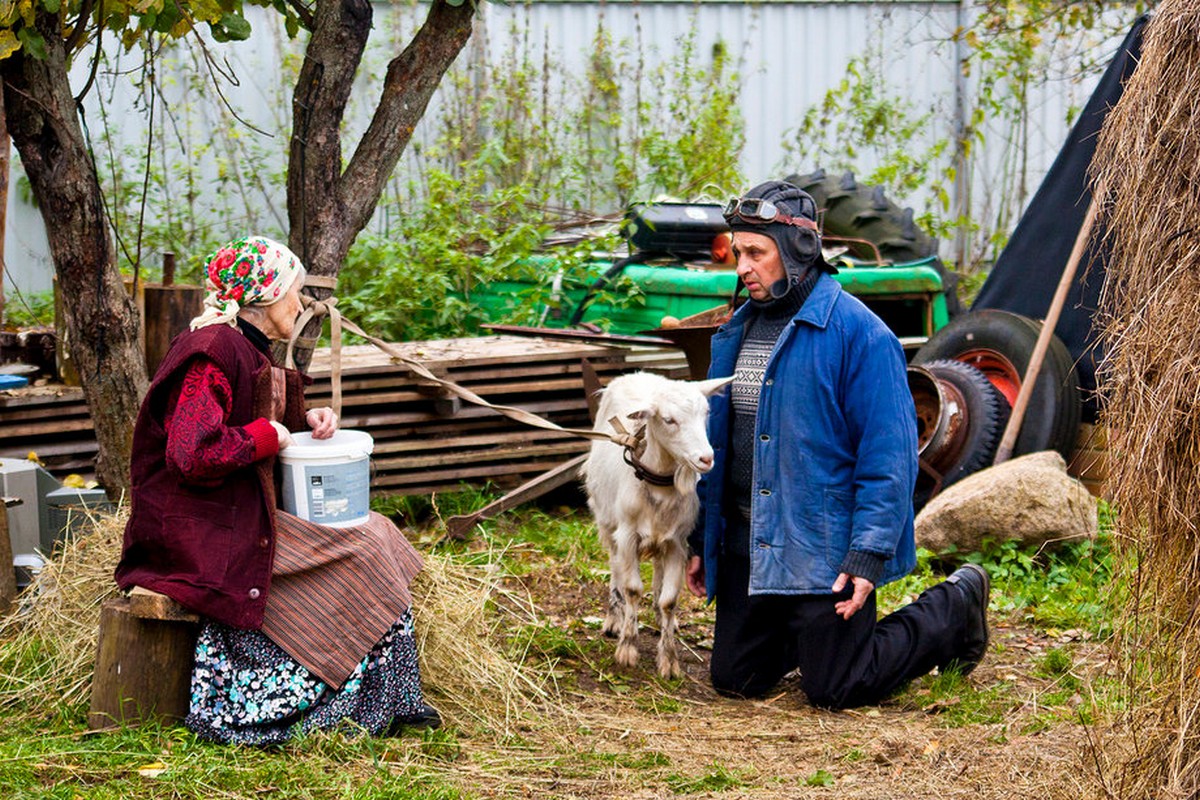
(638, 518)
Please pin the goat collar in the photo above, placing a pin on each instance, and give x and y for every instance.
(634, 445)
(644, 473)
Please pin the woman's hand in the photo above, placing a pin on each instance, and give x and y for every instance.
(285, 436)
(323, 421)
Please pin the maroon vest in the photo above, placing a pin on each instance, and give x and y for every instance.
(207, 547)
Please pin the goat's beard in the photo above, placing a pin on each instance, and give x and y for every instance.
(686, 479)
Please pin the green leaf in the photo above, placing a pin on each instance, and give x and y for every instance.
(236, 27)
(167, 18)
(9, 44)
(33, 43)
(52, 5)
(230, 28)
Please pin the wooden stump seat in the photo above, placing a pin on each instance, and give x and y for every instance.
(143, 660)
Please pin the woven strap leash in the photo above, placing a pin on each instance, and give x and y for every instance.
(318, 309)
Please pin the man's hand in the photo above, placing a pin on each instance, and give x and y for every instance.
(695, 576)
(862, 590)
(323, 421)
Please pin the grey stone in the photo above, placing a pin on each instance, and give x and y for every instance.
(1031, 499)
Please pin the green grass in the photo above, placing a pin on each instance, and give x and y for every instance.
(717, 779)
(820, 778)
(957, 702)
(45, 751)
(37, 761)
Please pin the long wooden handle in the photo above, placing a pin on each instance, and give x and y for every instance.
(1011, 431)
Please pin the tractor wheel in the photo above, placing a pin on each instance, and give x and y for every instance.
(999, 344)
(864, 212)
(960, 420)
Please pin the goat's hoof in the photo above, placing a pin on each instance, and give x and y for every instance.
(627, 654)
(670, 670)
(610, 628)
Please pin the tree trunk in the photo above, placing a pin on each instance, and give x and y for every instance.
(102, 322)
(326, 206)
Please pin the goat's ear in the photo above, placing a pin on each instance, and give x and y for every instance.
(712, 385)
(640, 413)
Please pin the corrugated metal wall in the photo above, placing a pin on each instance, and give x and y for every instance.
(789, 54)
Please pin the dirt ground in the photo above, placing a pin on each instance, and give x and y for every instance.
(1007, 731)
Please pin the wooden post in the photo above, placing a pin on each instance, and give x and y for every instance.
(8, 578)
(1009, 441)
(143, 668)
(169, 307)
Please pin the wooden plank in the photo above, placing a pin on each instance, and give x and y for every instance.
(146, 604)
(412, 445)
(457, 476)
(477, 456)
(486, 391)
(445, 354)
(41, 395)
(605, 364)
(367, 420)
(459, 525)
(49, 448)
(18, 416)
(42, 428)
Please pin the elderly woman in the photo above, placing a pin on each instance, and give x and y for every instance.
(306, 626)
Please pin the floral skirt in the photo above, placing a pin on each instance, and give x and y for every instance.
(247, 690)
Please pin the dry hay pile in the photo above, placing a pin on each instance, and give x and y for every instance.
(1147, 174)
(48, 644)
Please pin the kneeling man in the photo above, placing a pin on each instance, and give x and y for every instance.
(809, 505)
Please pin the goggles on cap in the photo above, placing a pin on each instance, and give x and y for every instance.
(758, 211)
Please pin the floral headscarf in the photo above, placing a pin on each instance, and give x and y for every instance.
(251, 271)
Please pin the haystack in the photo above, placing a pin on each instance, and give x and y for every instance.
(1147, 178)
(47, 646)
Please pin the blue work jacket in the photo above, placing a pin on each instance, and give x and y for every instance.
(835, 449)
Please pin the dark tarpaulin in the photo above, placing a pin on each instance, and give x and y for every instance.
(1027, 271)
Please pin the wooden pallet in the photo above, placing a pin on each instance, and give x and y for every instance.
(424, 442)
(52, 421)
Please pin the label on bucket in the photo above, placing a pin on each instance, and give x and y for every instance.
(337, 492)
(334, 493)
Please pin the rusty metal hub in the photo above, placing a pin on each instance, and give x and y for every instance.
(941, 415)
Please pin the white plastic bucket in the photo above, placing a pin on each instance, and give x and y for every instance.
(327, 481)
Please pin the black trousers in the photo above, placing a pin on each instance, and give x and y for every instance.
(842, 663)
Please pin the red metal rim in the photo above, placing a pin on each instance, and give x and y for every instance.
(999, 371)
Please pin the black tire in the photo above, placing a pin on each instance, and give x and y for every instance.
(865, 212)
(1000, 343)
(986, 415)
